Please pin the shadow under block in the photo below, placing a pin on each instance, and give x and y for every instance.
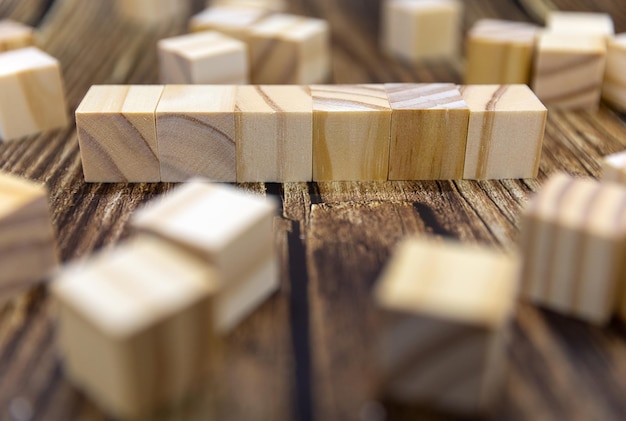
(274, 126)
(614, 87)
(116, 126)
(614, 168)
(580, 22)
(14, 35)
(428, 131)
(573, 239)
(351, 127)
(506, 130)
(27, 242)
(150, 12)
(445, 317)
(233, 21)
(203, 58)
(134, 325)
(32, 97)
(500, 52)
(196, 132)
(414, 30)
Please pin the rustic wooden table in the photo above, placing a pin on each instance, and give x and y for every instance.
(306, 353)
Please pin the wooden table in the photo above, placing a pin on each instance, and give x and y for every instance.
(307, 353)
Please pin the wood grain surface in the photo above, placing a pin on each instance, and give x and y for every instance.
(306, 354)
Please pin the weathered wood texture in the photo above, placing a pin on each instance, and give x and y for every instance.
(306, 353)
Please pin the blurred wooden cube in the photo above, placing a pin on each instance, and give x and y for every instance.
(268, 5)
(580, 23)
(152, 12)
(234, 21)
(614, 87)
(14, 35)
(614, 168)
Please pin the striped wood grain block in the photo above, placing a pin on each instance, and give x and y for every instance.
(614, 87)
(152, 12)
(234, 21)
(14, 35)
(580, 22)
(614, 168)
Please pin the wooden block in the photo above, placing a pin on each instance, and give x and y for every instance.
(135, 325)
(14, 35)
(614, 87)
(206, 57)
(32, 98)
(505, 135)
(268, 5)
(152, 12)
(234, 21)
(445, 312)
(421, 29)
(351, 126)
(614, 168)
(289, 49)
(116, 127)
(500, 52)
(27, 241)
(428, 131)
(580, 22)
(274, 126)
(573, 242)
(196, 132)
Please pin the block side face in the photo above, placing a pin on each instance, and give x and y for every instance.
(274, 60)
(14, 35)
(229, 67)
(494, 62)
(16, 117)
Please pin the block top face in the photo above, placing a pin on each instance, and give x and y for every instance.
(424, 96)
(197, 99)
(426, 5)
(568, 43)
(580, 22)
(11, 29)
(270, 99)
(503, 98)
(227, 16)
(466, 284)
(24, 59)
(504, 31)
(114, 99)
(289, 27)
(16, 192)
(349, 98)
(201, 44)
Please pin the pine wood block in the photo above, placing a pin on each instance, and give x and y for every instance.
(27, 241)
(135, 325)
(614, 87)
(32, 98)
(290, 49)
(614, 168)
(421, 29)
(580, 22)
(234, 21)
(152, 12)
(500, 52)
(351, 126)
(14, 35)
(274, 126)
(116, 127)
(206, 57)
(505, 134)
(428, 131)
(196, 132)
(573, 242)
(268, 5)
(445, 312)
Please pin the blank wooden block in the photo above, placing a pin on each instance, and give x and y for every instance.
(116, 126)
(234, 21)
(421, 29)
(445, 312)
(351, 126)
(152, 12)
(614, 87)
(428, 131)
(27, 242)
(196, 132)
(203, 58)
(499, 52)
(573, 242)
(505, 135)
(274, 127)
(614, 168)
(580, 22)
(32, 98)
(135, 326)
(14, 35)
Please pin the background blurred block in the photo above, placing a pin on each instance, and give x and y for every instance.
(152, 12)
(580, 22)
(614, 87)
(614, 168)
(14, 35)
(269, 5)
(234, 21)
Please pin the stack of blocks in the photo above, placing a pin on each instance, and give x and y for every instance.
(14, 35)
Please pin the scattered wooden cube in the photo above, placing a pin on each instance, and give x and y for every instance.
(580, 22)
(274, 126)
(505, 134)
(14, 35)
(152, 12)
(196, 132)
(614, 168)
(351, 126)
(32, 98)
(234, 21)
(573, 242)
(445, 313)
(614, 87)
(428, 131)
(116, 126)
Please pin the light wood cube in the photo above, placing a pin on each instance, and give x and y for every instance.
(580, 22)
(506, 129)
(14, 35)
(614, 168)
(203, 58)
(574, 242)
(269, 5)
(428, 131)
(116, 126)
(32, 97)
(445, 314)
(196, 132)
(351, 126)
(421, 29)
(500, 52)
(614, 87)
(152, 12)
(234, 21)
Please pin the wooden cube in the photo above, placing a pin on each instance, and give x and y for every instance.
(580, 22)
(269, 5)
(421, 29)
(196, 132)
(500, 52)
(274, 126)
(152, 12)
(32, 98)
(614, 87)
(574, 242)
(27, 241)
(135, 326)
(289, 49)
(203, 58)
(505, 135)
(116, 126)
(614, 168)
(234, 21)
(428, 131)
(14, 35)
(445, 312)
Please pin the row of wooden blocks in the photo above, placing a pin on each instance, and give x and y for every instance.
(288, 133)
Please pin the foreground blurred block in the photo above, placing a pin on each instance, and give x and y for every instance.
(614, 168)
(234, 21)
(445, 312)
(152, 12)
(600, 24)
(14, 35)
(614, 88)
(32, 97)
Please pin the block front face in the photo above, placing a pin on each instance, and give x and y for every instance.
(614, 87)
(14, 35)
(234, 21)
